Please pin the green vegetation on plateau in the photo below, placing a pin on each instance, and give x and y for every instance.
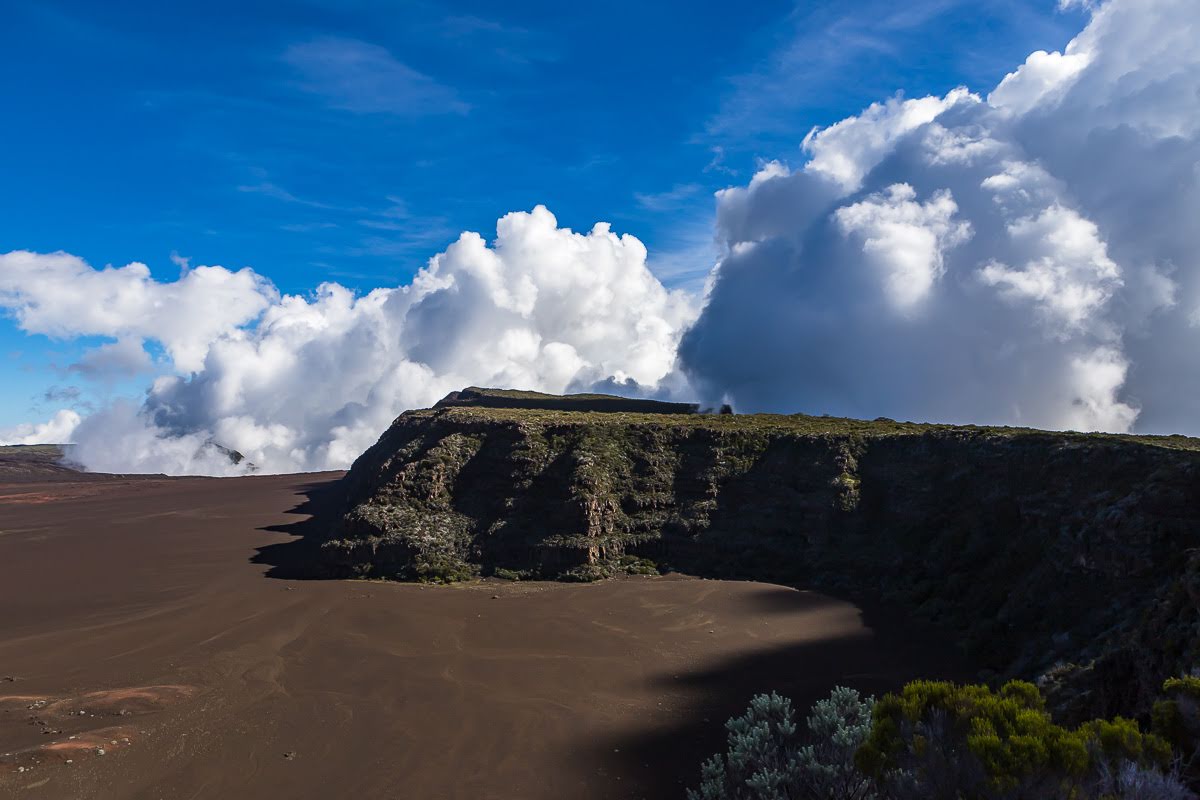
(511, 398)
(32, 462)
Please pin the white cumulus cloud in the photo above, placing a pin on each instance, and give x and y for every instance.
(1039, 79)
(847, 150)
(305, 383)
(62, 296)
(1025, 255)
(1067, 273)
(905, 238)
(59, 429)
(1031, 258)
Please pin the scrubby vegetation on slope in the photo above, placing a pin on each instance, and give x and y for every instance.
(939, 741)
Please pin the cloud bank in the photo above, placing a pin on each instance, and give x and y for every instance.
(1032, 257)
(307, 383)
(1027, 256)
(57, 430)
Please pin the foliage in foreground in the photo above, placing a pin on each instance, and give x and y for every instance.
(768, 759)
(941, 741)
(1177, 719)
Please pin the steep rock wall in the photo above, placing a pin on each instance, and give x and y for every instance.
(1063, 556)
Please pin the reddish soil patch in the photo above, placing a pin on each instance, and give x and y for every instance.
(49, 493)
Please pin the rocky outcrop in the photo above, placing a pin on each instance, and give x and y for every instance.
(1063, 556)
(508, 398)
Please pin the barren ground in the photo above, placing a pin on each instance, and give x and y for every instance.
(165, 623)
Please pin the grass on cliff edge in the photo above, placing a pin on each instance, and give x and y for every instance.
(525, 394)
(794, 424)
(48, 450)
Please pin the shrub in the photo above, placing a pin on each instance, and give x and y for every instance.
(584, 573)
(1128, 781)
(506, 574)
(608, 568)
(1177, 716)
(440, 569)
(1177, 719)
(766, 760)
(941, 740)
(838, 727)
(636, 565)
(938, 741)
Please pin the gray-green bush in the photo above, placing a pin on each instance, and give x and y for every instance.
(768, 758)
(939, 741)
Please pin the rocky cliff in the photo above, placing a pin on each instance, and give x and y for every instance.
(1067, 557)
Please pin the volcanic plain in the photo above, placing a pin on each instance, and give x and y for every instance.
(159, 639)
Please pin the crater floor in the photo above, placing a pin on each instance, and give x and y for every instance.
(153, 645)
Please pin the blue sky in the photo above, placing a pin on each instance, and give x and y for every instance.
(350, 141)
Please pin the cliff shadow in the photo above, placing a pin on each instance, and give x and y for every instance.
(726, 530)
(661, 759)
(299, 558)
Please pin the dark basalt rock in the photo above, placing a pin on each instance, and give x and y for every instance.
(475, 397)
(1065, 557)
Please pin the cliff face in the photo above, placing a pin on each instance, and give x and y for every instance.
(1063, 556)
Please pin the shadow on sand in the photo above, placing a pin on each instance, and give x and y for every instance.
(299, 559)
(662, 759)
(660, 756)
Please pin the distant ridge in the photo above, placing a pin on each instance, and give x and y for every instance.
(24, 463)
(477, 397)
(36, 462)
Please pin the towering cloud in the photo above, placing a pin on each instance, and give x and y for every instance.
(299, 383)
(1029, 258)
